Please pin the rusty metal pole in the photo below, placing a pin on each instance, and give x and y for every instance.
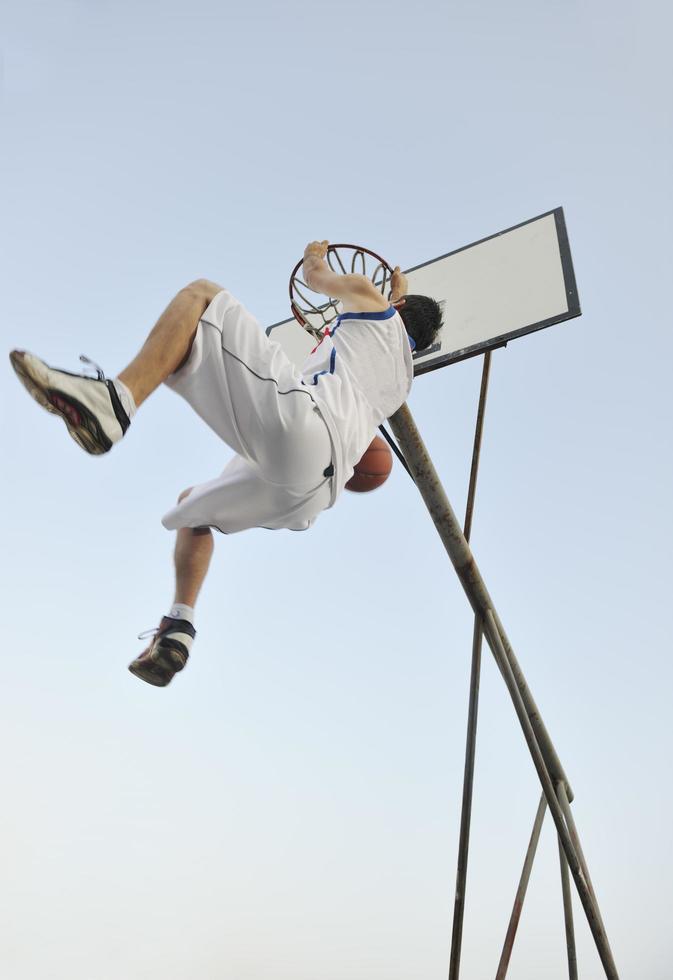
(426, 479)
(589, 903)
(466, 810)
(473, 702)
(574, 836)
(568, 914)
(476, 449)
(541, 748)
(508, 945)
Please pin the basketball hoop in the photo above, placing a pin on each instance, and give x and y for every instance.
(344, 259)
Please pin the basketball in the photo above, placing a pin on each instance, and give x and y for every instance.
(373, 469)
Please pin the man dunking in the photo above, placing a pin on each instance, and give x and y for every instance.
(297, 434)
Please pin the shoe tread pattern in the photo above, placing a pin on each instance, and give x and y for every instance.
(88, 434)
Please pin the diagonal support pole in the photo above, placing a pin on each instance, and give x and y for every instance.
(586, 897)
(426, 479)
(545, 759)
(574, 836)
(508, 945)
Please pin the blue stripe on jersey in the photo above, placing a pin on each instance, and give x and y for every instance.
(379, 315)
(332, 361)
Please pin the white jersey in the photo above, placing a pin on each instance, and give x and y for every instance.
(359, 375)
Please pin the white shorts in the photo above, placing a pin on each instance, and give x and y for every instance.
(248, 391)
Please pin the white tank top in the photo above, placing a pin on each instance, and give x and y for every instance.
(359, 375)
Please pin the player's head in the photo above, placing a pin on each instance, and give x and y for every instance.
(422, 318)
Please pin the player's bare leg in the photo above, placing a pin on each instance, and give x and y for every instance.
(97, 413)
(169, 343)
(169, 650)
(193, 551)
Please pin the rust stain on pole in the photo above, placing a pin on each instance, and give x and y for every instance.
(450, 532)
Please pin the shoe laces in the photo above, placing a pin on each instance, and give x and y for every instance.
(146, 633)
(99, 370)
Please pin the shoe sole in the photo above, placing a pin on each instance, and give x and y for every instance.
(87, 433)
(164, 659)
(144, 672)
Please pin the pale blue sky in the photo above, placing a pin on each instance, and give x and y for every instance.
(289, 806)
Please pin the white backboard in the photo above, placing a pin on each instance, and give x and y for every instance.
(492, 291)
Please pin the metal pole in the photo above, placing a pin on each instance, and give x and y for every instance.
(521, 891)
(568, 914)
(466, 811)
(476, 451)
(574, 836)
(588, 901)
(539, 743)
(432, 491)
(473, 705)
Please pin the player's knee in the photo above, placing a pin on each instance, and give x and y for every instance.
(204, 289)
(185, 493)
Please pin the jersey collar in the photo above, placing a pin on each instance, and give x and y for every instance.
(378, 315)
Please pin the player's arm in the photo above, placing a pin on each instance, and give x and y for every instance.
(399, 287)
(351, 288)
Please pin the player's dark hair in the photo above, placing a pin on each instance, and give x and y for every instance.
(422, 318)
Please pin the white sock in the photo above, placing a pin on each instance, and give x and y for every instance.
(125, 397)
(181, 611)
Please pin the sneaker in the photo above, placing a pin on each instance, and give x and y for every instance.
(167, 654)
(90, 407)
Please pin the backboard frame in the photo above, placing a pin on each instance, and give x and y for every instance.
(574, 309)
(550, 236)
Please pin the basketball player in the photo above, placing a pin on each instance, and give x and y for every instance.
(296, 434)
